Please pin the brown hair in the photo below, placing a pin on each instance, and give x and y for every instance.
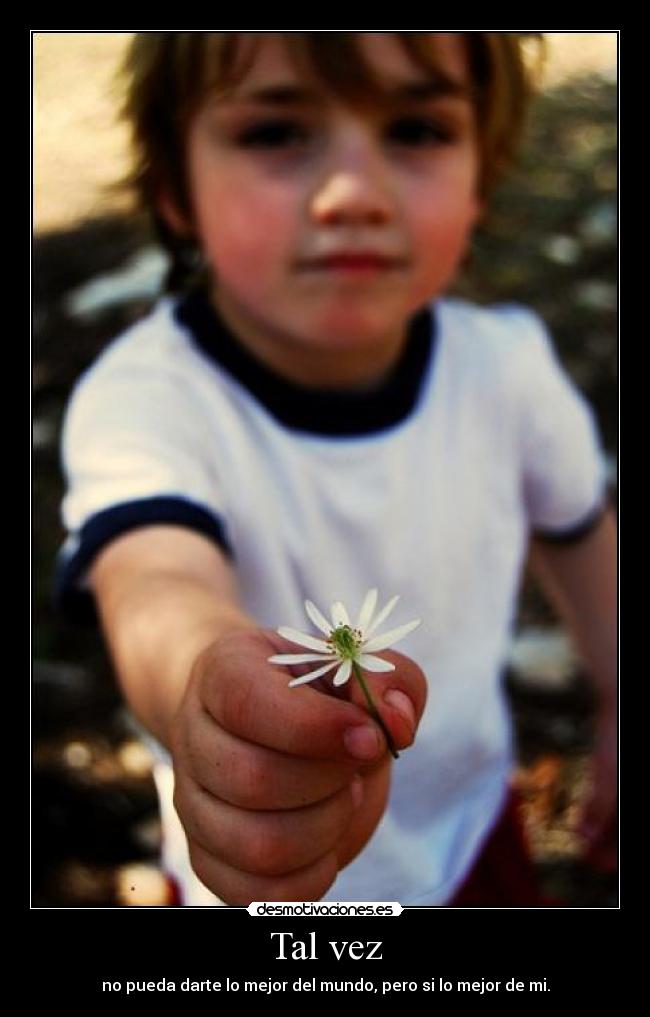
(169, 73)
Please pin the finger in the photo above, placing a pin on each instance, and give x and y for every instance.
(240, 889)
(255, 777)
(251, 699)
(399, 696)
(265, 843)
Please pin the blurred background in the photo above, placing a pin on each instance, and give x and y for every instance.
(550, 242)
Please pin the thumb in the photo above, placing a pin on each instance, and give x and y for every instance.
(399, 696)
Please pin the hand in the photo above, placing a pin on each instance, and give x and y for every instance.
(278, 788)
(598, 826)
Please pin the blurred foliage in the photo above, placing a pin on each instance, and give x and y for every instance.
(550, 240)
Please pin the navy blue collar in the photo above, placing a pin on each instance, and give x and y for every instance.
(334, 412)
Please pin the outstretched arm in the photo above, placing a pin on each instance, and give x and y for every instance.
(277, 788)
(580, 581)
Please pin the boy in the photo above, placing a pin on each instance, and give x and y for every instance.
(312, 419)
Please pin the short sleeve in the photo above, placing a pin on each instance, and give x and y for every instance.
(564, 469)
(134, 449)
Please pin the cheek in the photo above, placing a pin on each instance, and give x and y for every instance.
(245, 229)
(442, 235)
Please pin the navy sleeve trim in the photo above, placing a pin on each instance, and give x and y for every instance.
(575, 533)
(78, 604)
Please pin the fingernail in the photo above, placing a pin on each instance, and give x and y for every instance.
(402, 704)
(362, 742)
(356, 790)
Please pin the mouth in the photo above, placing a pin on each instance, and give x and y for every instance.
(357, 263)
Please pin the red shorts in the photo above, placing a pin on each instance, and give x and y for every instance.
(503, 875)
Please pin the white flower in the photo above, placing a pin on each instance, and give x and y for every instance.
(344, 644)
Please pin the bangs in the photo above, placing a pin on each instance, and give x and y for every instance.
(331, 61)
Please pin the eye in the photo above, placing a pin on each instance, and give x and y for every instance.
(273, 134)
(419, 132)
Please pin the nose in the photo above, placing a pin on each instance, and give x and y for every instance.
(354, 187)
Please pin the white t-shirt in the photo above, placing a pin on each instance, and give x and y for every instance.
(427, 486)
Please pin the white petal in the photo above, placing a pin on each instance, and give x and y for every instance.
(312, 675)
(343, 673)
(339, 614)
(383, 615)
(318, 619)
(371, 663)
(302, 640)
(299, 658)
(367, 609)
(381, 642)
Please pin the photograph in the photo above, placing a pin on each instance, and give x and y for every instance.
(325, 476)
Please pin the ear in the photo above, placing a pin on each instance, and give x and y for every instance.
(479, 210)
(173, 217)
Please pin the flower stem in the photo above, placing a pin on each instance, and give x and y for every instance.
(374, 711)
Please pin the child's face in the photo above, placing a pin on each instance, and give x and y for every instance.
(279, 184)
